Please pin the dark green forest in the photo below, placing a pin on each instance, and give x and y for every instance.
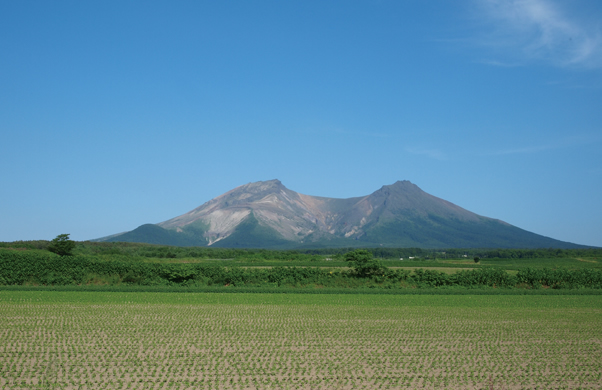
(163, 251)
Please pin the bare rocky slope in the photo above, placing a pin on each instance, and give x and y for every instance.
(269, 215)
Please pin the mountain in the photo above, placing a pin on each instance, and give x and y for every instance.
(268, 215)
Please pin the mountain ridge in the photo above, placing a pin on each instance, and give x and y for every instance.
(266, 214)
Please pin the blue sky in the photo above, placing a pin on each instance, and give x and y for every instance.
(118, 113)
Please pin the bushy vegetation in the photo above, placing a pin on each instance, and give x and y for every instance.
(36, 267)
(364, 264)
(62, 245)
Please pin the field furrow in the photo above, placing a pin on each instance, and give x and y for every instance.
(79, 340)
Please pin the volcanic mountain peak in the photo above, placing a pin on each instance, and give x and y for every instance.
(270, 202)
(294, 216)
(267, 214)
(406, 198)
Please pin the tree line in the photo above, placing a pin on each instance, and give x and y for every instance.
(161, 251)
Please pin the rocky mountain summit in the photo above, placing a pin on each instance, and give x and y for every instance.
(266, 214)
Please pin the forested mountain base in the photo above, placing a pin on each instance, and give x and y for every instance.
(133, 249)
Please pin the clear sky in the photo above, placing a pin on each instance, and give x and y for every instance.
(118, 113)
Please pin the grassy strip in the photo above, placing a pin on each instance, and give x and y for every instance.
(507, 264)
(308, 290)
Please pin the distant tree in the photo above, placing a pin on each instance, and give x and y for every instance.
(477, 259)
(364, 263)
(62, 245)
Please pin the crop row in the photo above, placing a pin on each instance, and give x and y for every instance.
(305, 342)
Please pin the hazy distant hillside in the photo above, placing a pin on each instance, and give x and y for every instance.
(269, 215)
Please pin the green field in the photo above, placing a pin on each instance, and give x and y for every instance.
(508, 264)
(111, 340)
